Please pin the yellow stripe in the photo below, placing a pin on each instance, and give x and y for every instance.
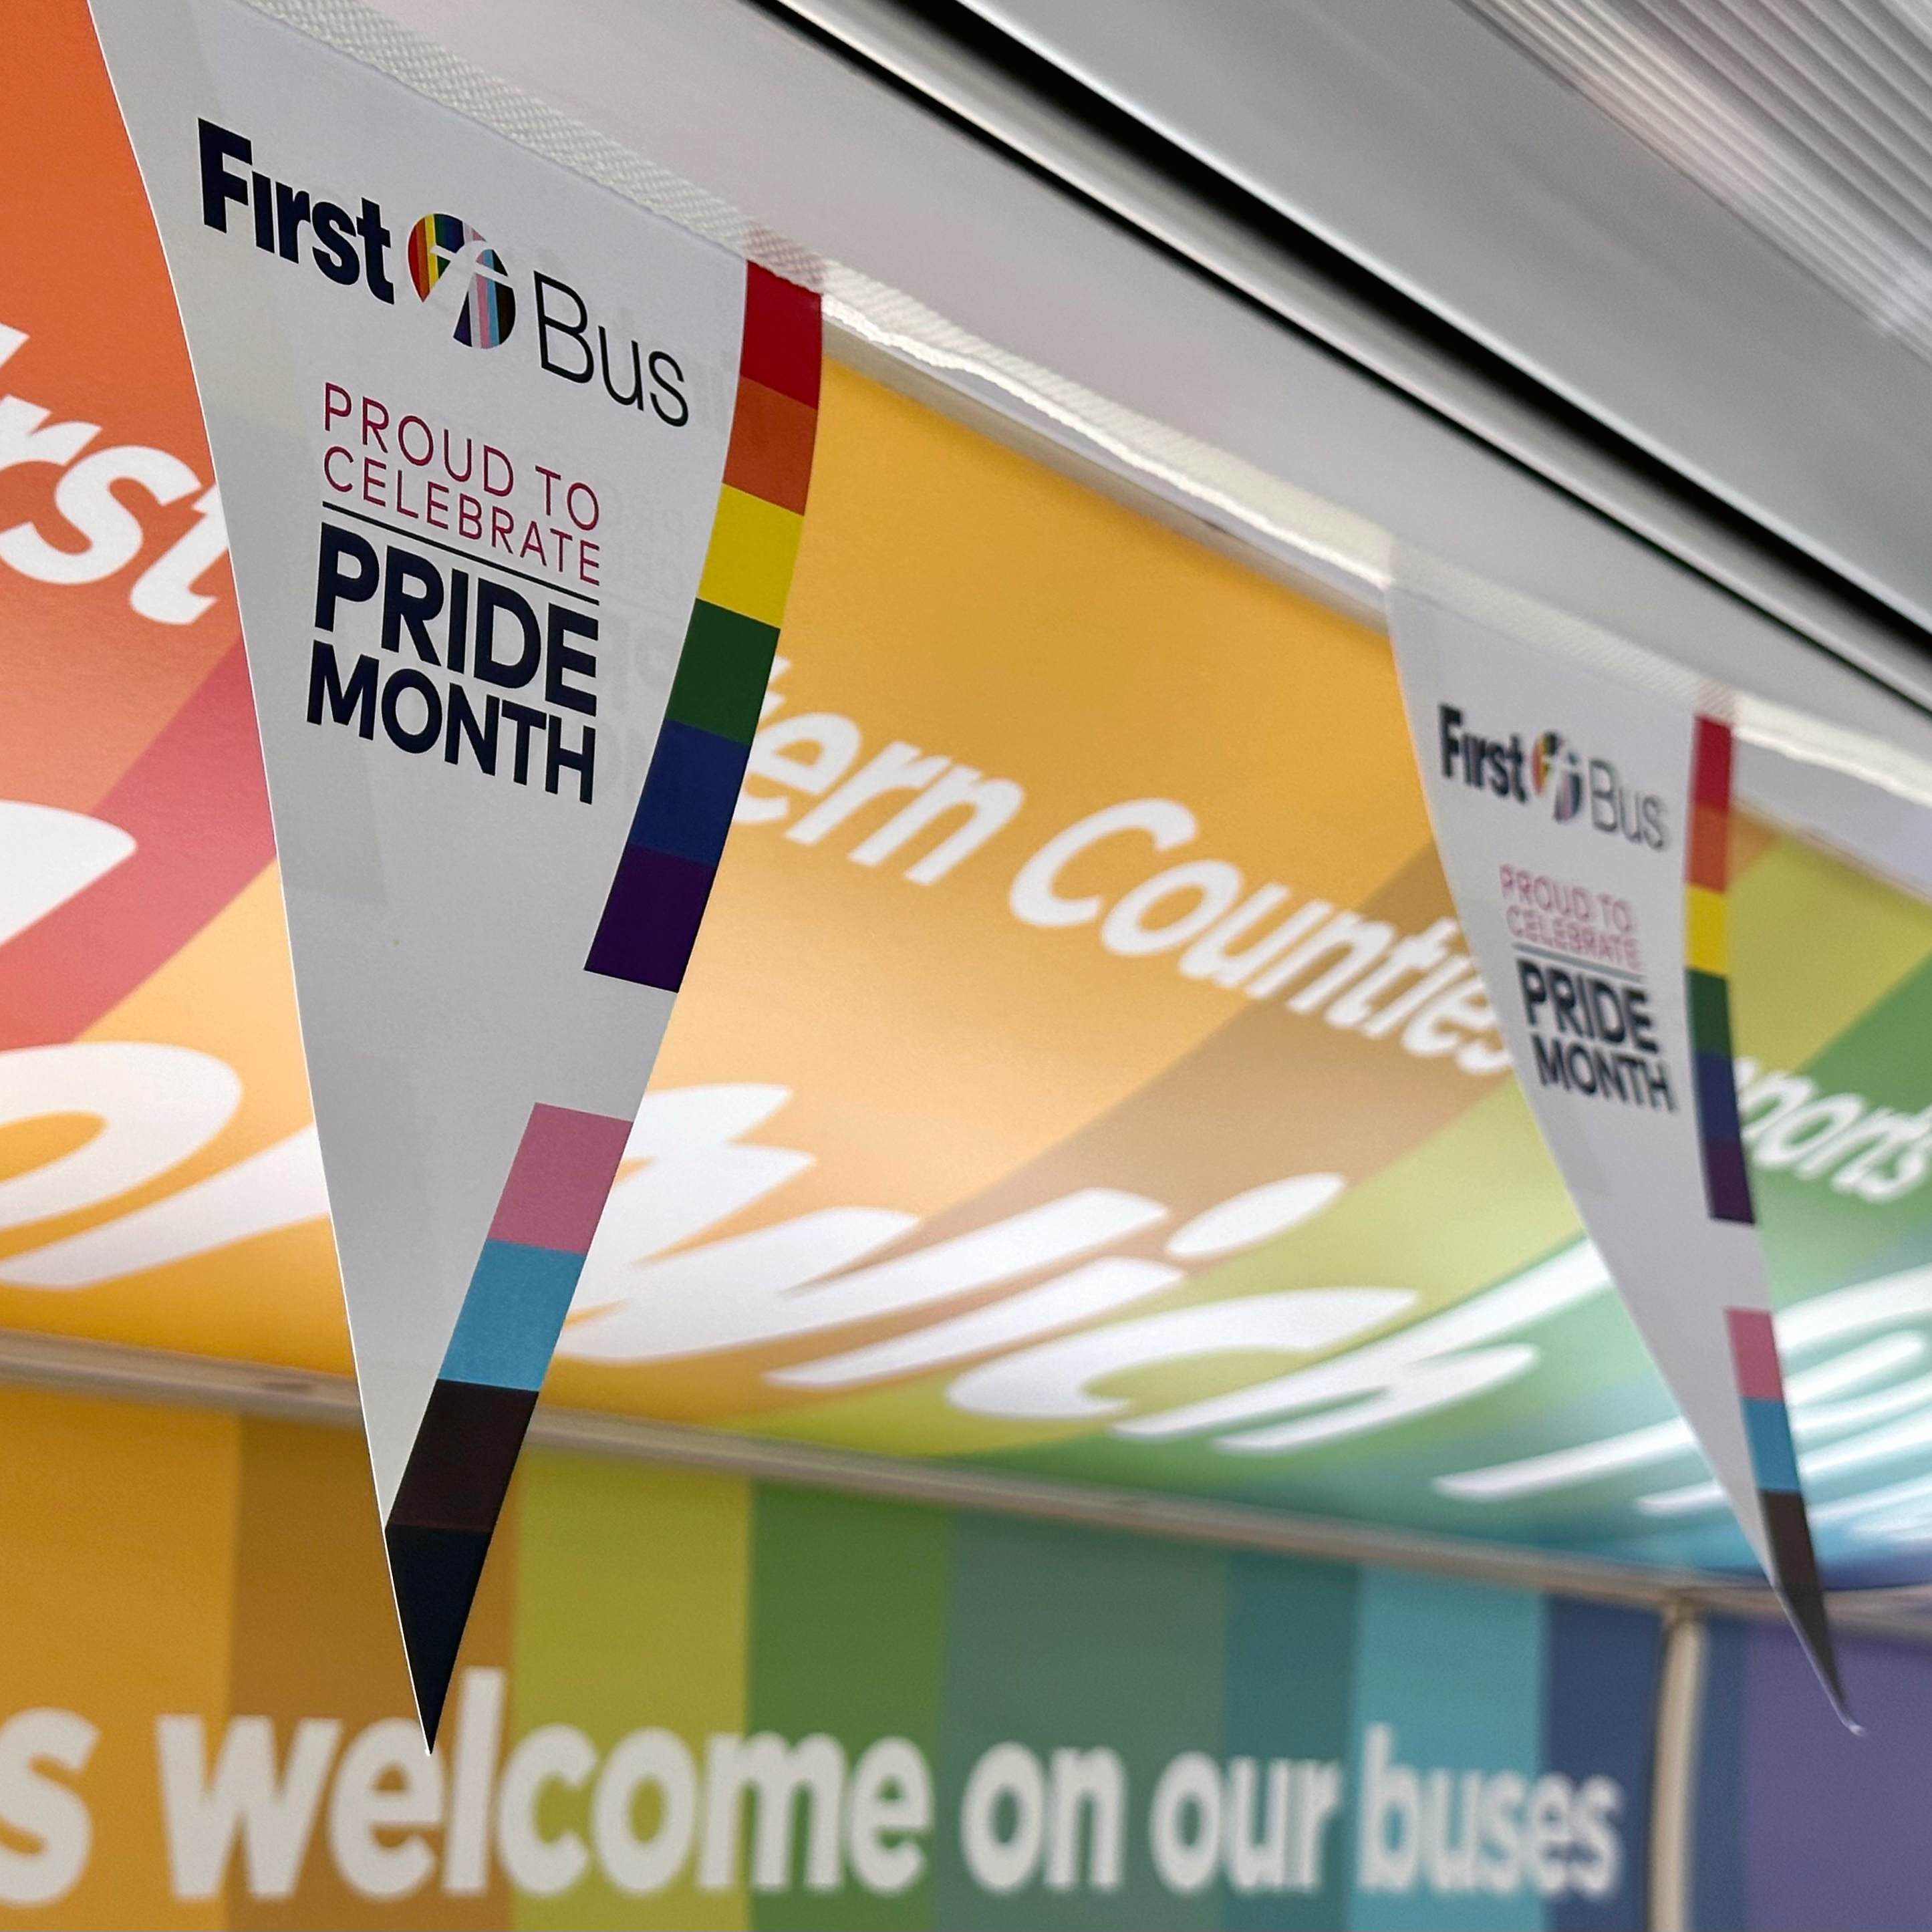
(1704, 944)
(753, 544)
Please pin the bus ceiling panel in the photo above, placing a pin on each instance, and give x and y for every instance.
(945, 224)
(1714, 273)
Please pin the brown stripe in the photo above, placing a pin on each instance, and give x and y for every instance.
(315, 1636)
(465, 1454)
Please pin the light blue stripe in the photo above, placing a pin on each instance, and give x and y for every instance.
(511, 1316)
(1774, 1462)
(1455, 1672)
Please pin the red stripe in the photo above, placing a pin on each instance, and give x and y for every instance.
(195, 802)
(781, 336)
(1711, 780)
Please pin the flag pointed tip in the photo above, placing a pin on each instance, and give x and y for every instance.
(1793, 1566)
(434, 1573)
(441, 1521)
(1827, 1669)
(1822, 1655)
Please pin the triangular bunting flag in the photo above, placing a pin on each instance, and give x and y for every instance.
(513, 494)
(1584, 828)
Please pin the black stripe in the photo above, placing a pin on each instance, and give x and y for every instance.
(434, 1573)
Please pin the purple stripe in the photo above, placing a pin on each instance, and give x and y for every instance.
(650, 921)
(1727, 1185)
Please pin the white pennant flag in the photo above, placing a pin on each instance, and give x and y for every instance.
(1584, 830)
(513, 472)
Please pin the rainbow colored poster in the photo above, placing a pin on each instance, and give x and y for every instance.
(513, 492)
(1584, 830)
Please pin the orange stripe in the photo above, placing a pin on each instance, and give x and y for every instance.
(772, 437)
(1710, 848)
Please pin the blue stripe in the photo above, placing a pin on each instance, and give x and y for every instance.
(1774, 1461)
(1601, 1662)
(1717, 1096)
(511, 1316)
(690, 793)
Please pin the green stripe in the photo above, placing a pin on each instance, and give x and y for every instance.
(848, 1629)
(1290, 1680)
(722, 676)
(1710, 1012)
(1067, 1639)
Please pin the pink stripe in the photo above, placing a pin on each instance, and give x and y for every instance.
(1754, 1353)
(558, 1182)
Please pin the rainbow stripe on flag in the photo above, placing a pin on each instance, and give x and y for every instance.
(445, 1511)
(664, 880)
(1753, 1341)
(1707, 968)
(1794, 1563)
(471, 1431)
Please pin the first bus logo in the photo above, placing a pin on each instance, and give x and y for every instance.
(1549, 766)
(459, 277)
(457, 274)
(455, 271)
